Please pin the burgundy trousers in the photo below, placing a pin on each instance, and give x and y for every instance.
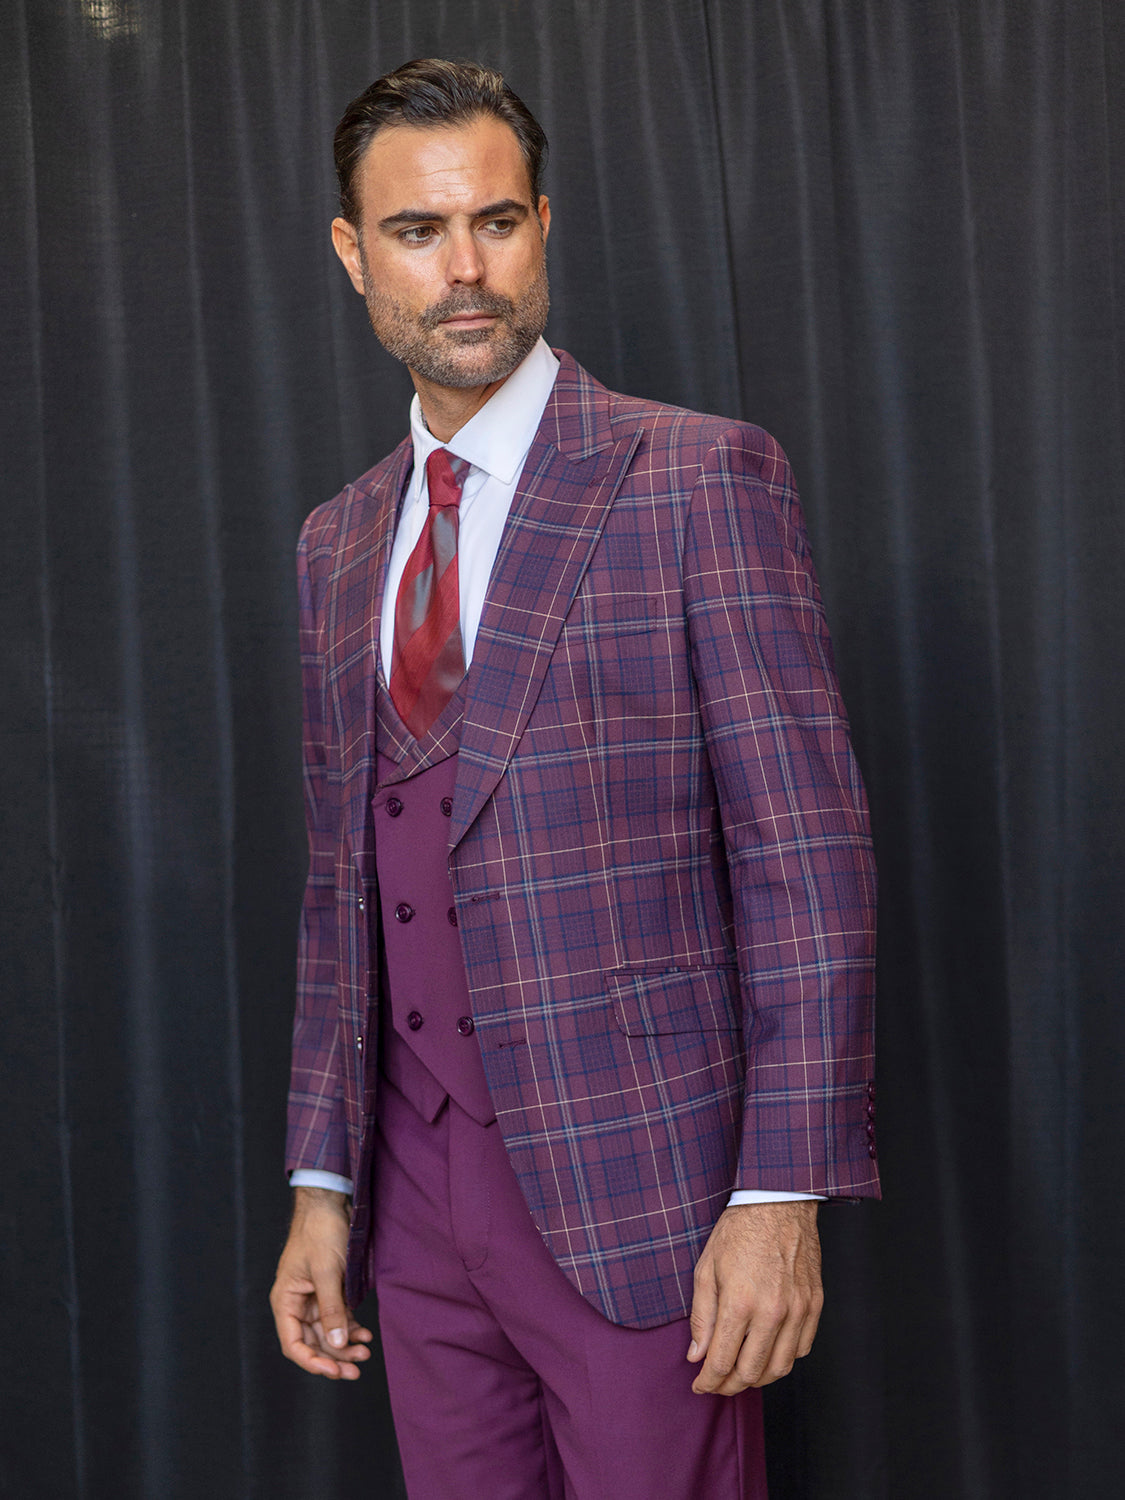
(505, 1383)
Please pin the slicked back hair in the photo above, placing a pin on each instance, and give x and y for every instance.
(431, 91)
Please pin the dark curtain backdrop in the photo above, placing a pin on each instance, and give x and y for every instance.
(892, 233)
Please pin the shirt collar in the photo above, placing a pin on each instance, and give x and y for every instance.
(498, 437)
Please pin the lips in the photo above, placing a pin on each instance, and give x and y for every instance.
(486, 308)
(467, 319)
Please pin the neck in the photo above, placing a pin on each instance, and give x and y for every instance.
(447, 408)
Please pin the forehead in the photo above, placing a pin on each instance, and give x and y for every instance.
(441, 167)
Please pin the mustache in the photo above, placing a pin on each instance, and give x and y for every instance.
(467, 300)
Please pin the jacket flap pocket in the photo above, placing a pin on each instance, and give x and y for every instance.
(655, 1003)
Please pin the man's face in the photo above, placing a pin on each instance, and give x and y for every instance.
(450, 253)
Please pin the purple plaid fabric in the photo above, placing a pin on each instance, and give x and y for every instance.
(659, 847)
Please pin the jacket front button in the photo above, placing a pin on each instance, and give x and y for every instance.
(414, 1020)
(404, 912)
(447, 806)
(465, 1026)
(452, 915)
(394, 807)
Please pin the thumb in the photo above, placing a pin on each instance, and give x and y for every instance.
(704, 1310)
(329, 1287)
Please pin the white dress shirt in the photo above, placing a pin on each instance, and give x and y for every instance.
(495, 444)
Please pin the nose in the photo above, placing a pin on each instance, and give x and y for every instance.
(465, 263)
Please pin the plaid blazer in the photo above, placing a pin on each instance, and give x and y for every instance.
(658, 847)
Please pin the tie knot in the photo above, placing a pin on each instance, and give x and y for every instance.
(443, 477)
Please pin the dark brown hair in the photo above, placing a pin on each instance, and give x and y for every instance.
(430, 91)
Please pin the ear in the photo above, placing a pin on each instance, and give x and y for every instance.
(544, 212)
(345, 241)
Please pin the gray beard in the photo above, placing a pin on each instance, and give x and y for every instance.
(435, 353)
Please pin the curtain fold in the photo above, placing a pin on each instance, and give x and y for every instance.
(893, 235)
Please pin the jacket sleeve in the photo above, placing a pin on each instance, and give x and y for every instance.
(794, 823)
(317, 1135)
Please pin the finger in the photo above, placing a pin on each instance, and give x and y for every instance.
(722, 1353)
(762, 1362)
(331, 1309)
(704, 1310)
(742, 1350)
(354, 1350)
(760, 1365)
(357, 1333)
(336, 1364)
(292, 1335)
(810, 1325)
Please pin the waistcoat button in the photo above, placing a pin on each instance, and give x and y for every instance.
(447, 806)
(452, 915)
(414, 1020)
(394, 806)
(465, 1025)
(403, 912)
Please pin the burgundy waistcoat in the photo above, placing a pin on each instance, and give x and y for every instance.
(428, 1048)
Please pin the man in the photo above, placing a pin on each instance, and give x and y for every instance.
(584, 1009)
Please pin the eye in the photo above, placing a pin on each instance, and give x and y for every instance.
(417, 234)
(498, 226)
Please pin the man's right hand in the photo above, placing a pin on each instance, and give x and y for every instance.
(314, 1327)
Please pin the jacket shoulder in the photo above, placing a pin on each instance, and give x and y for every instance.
(675, 432)
(681, 426)
(324, 527)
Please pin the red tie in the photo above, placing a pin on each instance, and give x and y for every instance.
(427, 661)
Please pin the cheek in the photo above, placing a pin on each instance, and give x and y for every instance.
(405, 304)
(409, 284)
(520, 268)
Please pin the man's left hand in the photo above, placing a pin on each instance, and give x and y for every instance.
(757, 1297)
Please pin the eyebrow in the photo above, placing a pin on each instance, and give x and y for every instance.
(510, 208)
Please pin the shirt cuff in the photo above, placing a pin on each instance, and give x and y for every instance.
(762, 1195)
(314, 1177)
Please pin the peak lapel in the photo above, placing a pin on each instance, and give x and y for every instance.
(557, 515)
(354, 608)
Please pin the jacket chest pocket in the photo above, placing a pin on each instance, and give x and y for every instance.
(625, 654)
